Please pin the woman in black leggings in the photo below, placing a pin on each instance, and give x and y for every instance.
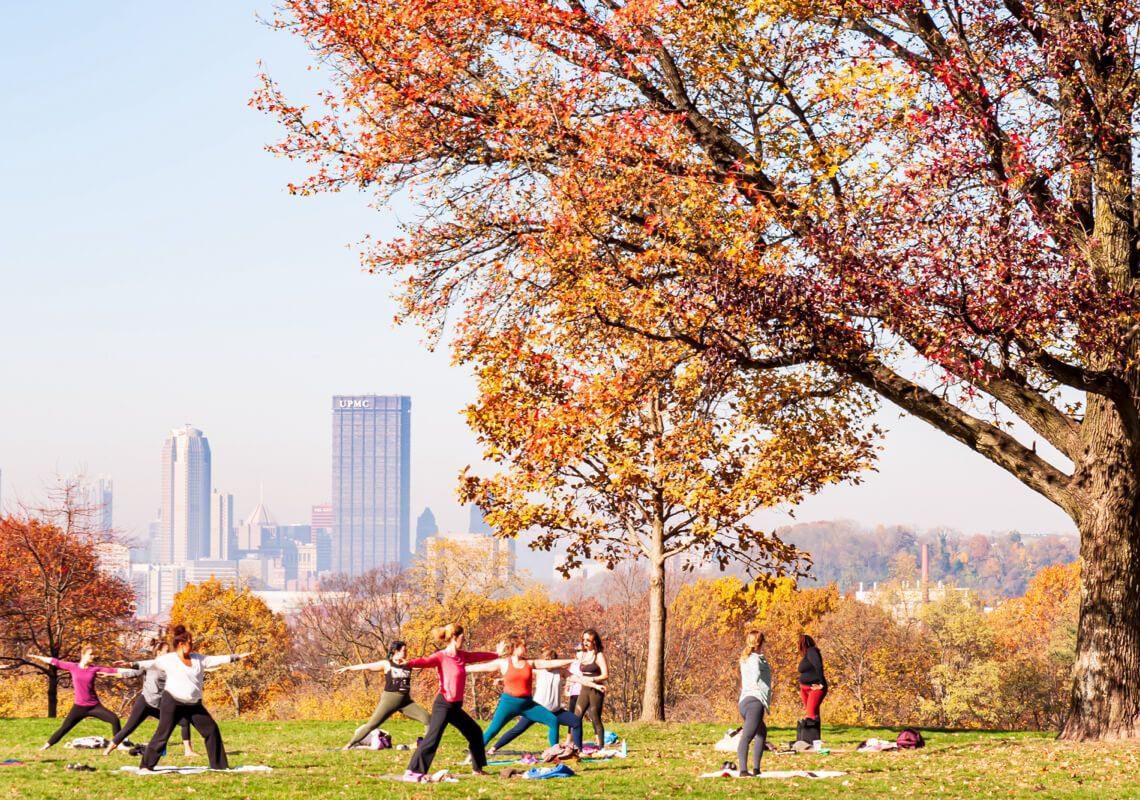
(592, 665)
(87, 702)
(146, 704)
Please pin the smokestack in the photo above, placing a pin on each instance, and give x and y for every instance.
(925, 573)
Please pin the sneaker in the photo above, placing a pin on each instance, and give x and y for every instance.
(412, 777)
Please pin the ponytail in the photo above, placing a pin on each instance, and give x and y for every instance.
(753, 641)
(443, 635)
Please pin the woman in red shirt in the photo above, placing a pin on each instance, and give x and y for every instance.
(86, 701)
(451, 661)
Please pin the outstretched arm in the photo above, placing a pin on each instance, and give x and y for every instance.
(487, 666)
(217, 661)
(374, 666)
(550, 663)
(584, 681)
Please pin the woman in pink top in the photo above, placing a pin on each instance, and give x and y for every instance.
(451, 661)
(86, 701)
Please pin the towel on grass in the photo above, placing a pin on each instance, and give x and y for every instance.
(793, 773)
(194, 770)
(443, 776)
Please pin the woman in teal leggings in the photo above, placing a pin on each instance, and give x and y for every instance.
(517, 699)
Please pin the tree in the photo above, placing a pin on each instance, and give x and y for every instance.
(228, 619)
(54, 599)
(615, 448)
(936, 202)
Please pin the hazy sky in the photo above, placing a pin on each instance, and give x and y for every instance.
(154, 272)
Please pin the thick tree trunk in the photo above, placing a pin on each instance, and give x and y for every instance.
(53, 692)
(1105, 699)
(653, 699)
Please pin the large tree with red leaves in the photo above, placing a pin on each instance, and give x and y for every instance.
(931, 201)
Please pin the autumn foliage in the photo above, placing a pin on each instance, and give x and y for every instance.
(54, 599)
(932, 203)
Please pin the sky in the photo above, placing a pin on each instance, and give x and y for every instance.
(154, 272)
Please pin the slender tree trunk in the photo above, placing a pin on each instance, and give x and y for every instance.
(53, 692)
(653, 698)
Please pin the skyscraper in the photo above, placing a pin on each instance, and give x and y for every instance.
(426, 527)
(371, 473)
(221, 525)
(322, 521)
(185, 506)
(101, 500)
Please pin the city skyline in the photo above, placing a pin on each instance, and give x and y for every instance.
(212, 238)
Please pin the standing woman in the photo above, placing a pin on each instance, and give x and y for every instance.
(593, 666)
(86, 701)
(182, 699)
(813, 684)
(451, 661)
(146, 704)
(397, 695)
(517, 698)
(755, 696)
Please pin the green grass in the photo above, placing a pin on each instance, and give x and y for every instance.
(663, 761)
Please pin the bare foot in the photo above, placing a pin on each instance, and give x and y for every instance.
(189, 753)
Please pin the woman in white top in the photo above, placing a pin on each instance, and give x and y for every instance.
(755, 695)
(182, 699)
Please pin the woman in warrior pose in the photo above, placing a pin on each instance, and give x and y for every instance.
(548, 694)
(451, 661)
(146, 704)
(86, 701)
(182, 699)
(593, 666)
(397, 694)
(755, 694)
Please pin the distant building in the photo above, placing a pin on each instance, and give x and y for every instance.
(221, 525)
(156, 547)
(155, 586)
(101, 499)
(257, 531)
(371, 475)
(114, 559)
(426, 528)
(477, 526)
(185, 504)
(322, 520)
(225, 571)
(493, 552)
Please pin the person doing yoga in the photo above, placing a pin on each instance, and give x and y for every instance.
(146, 703)
(755, 695)
(87, 702)
(181, 699)
(451, 662)
(593, 667)
(397, 695)
(548, 694)
(517, 698)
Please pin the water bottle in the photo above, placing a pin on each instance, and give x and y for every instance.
(624, 748)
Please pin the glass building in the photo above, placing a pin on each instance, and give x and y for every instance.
(184, 532)
(371, 476)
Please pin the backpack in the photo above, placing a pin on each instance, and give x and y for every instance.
(807, 730)
(379, 740)
(910, 739)
(559, 751)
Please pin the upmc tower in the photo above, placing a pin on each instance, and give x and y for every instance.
(371, 473)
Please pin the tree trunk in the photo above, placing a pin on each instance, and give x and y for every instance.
(1105, 699)
(53, 692)
(653, 698)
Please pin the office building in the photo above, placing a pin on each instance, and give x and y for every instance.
(371, 475)
(257, 531)
(185, 506)
(426, 528)
(322, 521)
(101, 501)
(221, 525)
(223, 570)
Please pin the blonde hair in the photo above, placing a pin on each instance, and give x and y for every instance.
(753, 641)
(444, 635)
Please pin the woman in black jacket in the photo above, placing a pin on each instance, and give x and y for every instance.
(813, 684)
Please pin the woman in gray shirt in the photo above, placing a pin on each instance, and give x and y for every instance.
(146, 704)
(755, 695)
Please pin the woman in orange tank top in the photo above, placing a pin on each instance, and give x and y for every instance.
(518, 688)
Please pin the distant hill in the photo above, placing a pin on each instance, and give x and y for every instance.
(998, 564)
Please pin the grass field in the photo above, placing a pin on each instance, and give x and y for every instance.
(663, 761)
